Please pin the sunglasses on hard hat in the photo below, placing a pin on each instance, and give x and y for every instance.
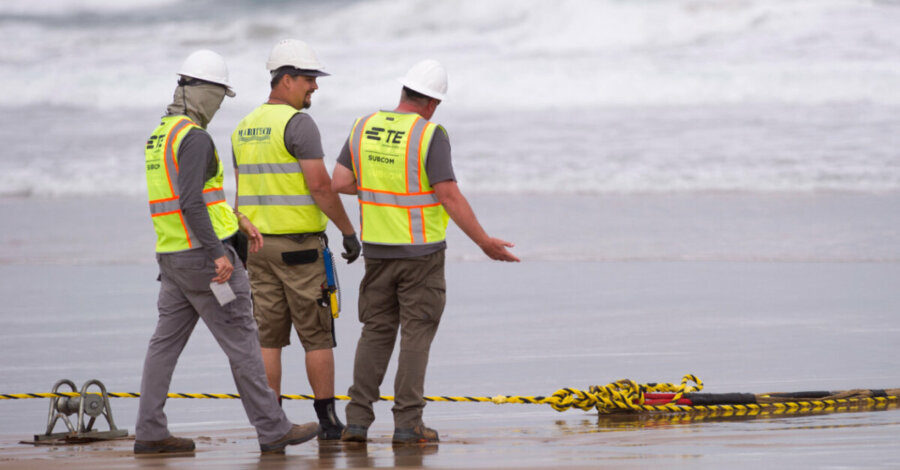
(294, 72)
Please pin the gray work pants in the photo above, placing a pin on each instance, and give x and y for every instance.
(185, 296)
(408, 295)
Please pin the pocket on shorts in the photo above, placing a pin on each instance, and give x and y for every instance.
(293, 258)
(326, 321)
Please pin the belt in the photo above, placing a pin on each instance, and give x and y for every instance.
(297, 237)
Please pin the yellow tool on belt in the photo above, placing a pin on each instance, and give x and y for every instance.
(332, 287)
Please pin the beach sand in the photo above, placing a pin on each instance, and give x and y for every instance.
(841, 440)
(751, 292)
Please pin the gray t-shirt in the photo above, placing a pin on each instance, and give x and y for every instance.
(302, 138)
(438, 167)
(196, 164)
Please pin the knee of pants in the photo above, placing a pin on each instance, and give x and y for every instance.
(379, 335)
(418, 344)
(248, 363)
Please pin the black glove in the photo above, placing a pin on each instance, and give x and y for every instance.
(351, 248)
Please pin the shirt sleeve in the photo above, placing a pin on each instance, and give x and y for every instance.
(302, 138)
(345, 158)
(438, 164)
(196, 156)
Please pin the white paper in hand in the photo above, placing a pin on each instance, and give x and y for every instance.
(223, 292)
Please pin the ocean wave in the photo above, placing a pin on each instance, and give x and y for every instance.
(518, 54)
(674, 149)
(575, 97)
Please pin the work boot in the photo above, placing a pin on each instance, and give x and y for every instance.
(330, 426)
(298, 434)
(354, 433)
(330, 432)
(414, 435)
(169, 445)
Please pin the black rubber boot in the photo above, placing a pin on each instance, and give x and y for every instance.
(330, 426)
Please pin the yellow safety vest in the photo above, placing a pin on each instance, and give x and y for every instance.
(172, 232)
(272, 191)
(397, 204)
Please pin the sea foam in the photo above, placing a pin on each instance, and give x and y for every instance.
(573, 96)
(518, 54)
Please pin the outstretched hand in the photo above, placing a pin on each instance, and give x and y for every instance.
(496, 249)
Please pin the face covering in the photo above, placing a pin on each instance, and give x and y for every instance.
(199, 102)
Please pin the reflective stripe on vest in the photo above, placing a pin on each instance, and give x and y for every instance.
(397, 204)
(263, 168)
(161, 153)
(170, 205)
(272, 191)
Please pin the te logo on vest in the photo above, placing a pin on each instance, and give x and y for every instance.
(155, 141)
(393, 137)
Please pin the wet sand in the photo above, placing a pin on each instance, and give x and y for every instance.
(570, 441)
(752, 293)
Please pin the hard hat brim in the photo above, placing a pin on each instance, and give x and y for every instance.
(421, 89)
(298, 71)
(228, 91)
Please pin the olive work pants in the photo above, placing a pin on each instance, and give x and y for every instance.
(184, 297)
(408, 295)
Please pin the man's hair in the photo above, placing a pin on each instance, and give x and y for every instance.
(292, 71)
(412, 95)
(280, 72)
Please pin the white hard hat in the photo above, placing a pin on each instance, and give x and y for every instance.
(428, 77)
(297, 54)
(208, 66)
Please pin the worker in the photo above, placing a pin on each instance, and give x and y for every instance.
(194, 226)
(398, 164)
(285, 190)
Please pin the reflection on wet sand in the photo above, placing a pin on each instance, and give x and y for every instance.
(522, 439)
(413, 455)
(634, 421)
(586, 441)
(352, 455)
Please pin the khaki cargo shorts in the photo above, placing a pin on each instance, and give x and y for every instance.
(286, 278)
